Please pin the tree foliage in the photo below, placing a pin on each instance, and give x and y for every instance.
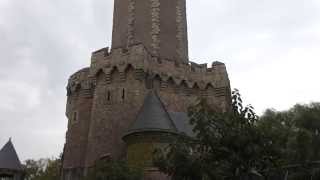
(108, 169)
(297, 132)
(104, 169)
(227, 144)
(238, 143)
(296, 136)
(43, 169)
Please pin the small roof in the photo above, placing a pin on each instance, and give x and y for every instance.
(152, 116)
(182, 122)
(9, 158)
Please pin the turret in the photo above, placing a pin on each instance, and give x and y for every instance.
(80, 92)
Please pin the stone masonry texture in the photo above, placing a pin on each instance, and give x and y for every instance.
(149, 51)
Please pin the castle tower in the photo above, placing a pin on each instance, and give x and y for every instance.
(160, 25)
(149, 53)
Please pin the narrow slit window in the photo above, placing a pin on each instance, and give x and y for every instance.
(108, 96)
(74, 117)
(123, 94)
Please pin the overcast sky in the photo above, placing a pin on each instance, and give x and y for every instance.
(271, 49)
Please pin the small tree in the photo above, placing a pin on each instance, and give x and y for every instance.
(107, 169)
(43, 169)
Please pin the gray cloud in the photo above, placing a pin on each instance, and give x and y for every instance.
(269, 47)
(43, 42)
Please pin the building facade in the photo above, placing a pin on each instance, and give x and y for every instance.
(148, 61)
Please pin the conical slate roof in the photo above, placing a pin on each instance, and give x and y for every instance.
(152, 117)
(182, 122)
(9, 158)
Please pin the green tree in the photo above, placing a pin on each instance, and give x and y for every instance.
(227, 145)
(43, 169)
(107, 169)
(33, 169)
(295, 134)
(52, 171)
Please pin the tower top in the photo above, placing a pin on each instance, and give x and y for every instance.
(160, 25)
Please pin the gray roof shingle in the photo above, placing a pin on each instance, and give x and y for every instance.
(182, 122)
(9, 158)
(152, 116)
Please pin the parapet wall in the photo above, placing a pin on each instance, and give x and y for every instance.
(81, 83)
(192, 74)
(138, 57)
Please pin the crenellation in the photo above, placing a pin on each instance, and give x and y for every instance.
(80, 81)
(102, 52)
(139, 58)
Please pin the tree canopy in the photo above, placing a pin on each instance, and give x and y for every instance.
(239, 144)
(108, 169)
(295, 135)
(43, 169)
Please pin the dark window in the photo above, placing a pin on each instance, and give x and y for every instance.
(74, 117)
(123, 94)
(108, 96)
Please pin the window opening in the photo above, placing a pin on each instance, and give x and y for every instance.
(74, 118)
(123, 94)
(108, 96)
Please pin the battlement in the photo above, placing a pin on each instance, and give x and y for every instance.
(104, 54)
(138, 57)
(81, 81)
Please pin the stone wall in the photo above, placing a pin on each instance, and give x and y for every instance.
(106, 98)
(161, 25)
(78, 112)
(117, 98)
(140, 58)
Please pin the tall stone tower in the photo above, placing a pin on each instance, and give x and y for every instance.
(149, 53)
(161, 25)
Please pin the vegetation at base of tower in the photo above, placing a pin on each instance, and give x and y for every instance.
(108, 169)
(43, 169)
(239, 144)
